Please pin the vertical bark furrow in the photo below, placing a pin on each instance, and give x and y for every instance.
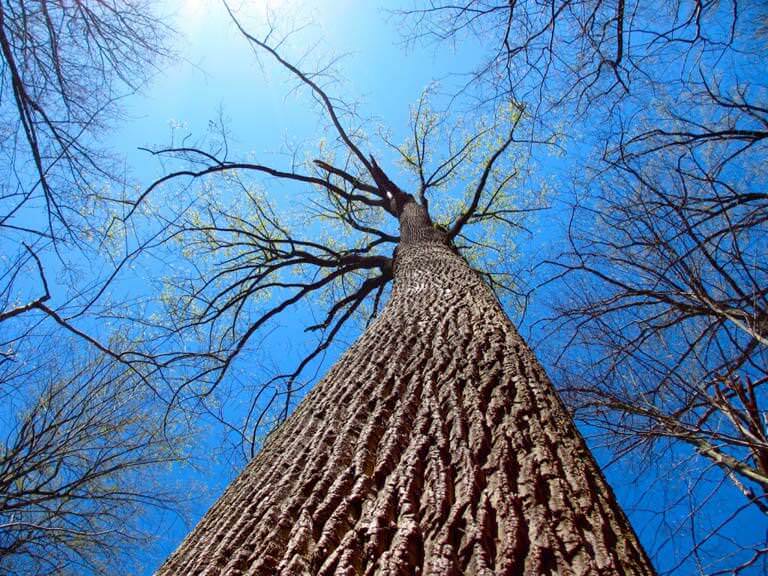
(435, 446)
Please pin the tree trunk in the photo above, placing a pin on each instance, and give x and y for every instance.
(436, 445)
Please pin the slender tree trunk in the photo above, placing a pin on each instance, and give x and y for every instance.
(436, 445)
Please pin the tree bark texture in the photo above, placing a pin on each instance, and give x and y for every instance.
(436, 446)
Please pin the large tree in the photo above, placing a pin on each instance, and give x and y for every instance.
(436, 444)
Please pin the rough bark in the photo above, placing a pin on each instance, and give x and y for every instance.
(436, 445)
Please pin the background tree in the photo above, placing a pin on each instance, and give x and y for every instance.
(82, 440)
(671, 298)
(65, 67)
(674, 329)
(82, 459)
